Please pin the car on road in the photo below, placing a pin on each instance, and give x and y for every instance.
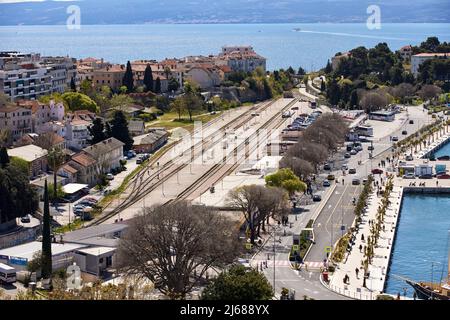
(359, 148)
(344, 167)
(331, 177)
(395, 138)
(370, 148)
(109, 176)
(353, 152)
(409, 158)
(409, 176)
(326, 183)
(327, 166)
(317, 198)
(347, 155)
(411, 121)
(377, 171)
(404, 132)
(352, 171)
(349, 148)
(443, 176)
(294, 108)
(139, 160)
(25, 219)
(426, 176)
(356, 182)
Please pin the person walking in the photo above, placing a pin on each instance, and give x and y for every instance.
(360, 248)
(362, 237)
(357, 272)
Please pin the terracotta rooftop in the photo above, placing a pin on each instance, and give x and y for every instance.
(67, 167)
(84, 159)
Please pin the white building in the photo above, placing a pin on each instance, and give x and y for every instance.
(43, 114)
(418, 59)
(240, 58)
(77, 134)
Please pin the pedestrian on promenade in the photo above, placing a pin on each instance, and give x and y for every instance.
(357, 272)
(414, 295)
(437, 183)
(342, 181)
(362, 237)
(360, 248)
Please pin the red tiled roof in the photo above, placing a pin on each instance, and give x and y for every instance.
(84, 159)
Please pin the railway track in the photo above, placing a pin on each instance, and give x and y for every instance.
(141, 182)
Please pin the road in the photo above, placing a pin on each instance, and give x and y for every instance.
(337, 208)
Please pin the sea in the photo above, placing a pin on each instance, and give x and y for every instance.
(421, 247)
(284, 45)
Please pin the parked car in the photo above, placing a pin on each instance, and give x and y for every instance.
(138, 160)
(326, 183)
(352, 171)
(404, 132)
(395, 138)
(331, 177)
(344, 167)
(317, 198)
(377, 171)
(327, 166)
(353, 152)
(426, 176)
(347, 155)
(25, 219)
(443, 176)
(409, 176)
(370, 148)
(359, 148)
(356, 182)
(411, 121)
(349, 148)
(110, 176)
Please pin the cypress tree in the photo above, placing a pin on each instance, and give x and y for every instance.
(120, 131)
(73, 86)
(322, 86)
(128, 78)
(148, 78)
(328, 67)
(97, 130)
(4, 158)
(46, 271)
(158, 85)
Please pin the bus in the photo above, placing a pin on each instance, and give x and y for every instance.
(364, 131)
(7, 273)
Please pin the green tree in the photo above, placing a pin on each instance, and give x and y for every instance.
(322, 86)
(238, 283)
(173, 84)
(301, 71)
(46, 267)
(17, 196)
(119, 129)
(158, 85)
(57, 194)
(87, 88)
(128, 78)
(78, 101)
(4, 158)
(97, 131)
(148, 78)
(178, 106)
(286, 179)
(20, 164)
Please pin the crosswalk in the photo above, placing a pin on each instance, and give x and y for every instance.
(286, 263)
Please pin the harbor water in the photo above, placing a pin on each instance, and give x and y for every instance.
(420, 251)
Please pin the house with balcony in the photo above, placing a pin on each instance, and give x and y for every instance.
(77, 134)
(16, 120)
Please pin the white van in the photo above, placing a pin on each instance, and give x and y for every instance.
(7, 273)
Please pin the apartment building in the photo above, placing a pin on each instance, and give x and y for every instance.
(43, 114)
(111, 76)
(35, 156)
(77, 134)
(240, 58)
(17, 120)
(418, 59)
(62, 70)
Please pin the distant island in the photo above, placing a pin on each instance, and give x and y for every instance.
(231, 11)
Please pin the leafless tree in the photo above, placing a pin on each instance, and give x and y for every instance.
(403, 90)
(314, 153)
(174, 245)
(429, 91)
(257, 203)
(372, 100)
(300, 167)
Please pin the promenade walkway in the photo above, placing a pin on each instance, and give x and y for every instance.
(373, 285)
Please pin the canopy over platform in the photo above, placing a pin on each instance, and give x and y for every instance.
(72, 188)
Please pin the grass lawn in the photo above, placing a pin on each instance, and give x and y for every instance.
(170, 121)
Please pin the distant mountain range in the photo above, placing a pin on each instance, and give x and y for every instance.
(221, 11)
